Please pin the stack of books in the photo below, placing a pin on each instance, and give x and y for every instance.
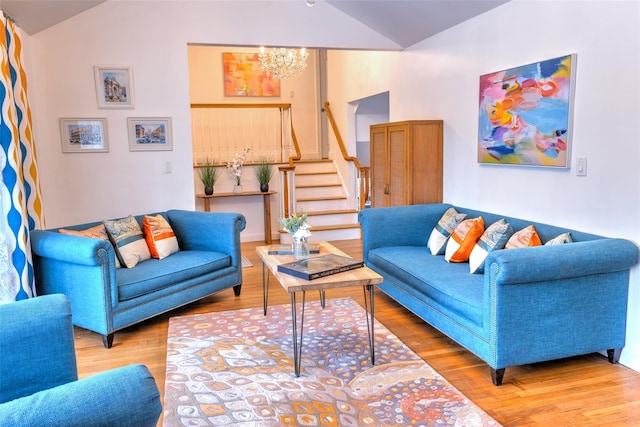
(326, 265)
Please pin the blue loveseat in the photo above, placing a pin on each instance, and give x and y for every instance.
(39, 383)
(530, 305)
(105, 299)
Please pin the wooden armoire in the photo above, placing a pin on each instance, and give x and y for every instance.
(406, 163)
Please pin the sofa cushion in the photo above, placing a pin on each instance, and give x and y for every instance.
(450, 285)
(561, 239)
(95, 232)
(442, 231)
(128, 240)
(463, 239)
(154, 274)
(159, 235)
(524, 238)
(493, 238)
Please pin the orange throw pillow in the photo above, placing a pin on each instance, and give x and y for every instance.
(97, 232)
(159, 235)
(524, 238)
(463, 239)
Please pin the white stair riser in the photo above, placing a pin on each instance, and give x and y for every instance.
(317, 179)
(325, 235)
(319, 192)
(315, 167)
(322, 205)
(317, 220)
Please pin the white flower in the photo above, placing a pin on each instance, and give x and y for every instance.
(234, 168)
(297, 226)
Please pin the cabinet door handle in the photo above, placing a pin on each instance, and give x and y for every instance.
(386, 189)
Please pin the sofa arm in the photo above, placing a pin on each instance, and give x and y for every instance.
(207, 231)
(545, 263)
(72, 249)
(125, 396)
(37, 351)
(399, 225)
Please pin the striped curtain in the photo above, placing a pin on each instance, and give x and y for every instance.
(21, 198)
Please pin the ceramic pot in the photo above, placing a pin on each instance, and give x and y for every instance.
(208, 191)
(264, 187)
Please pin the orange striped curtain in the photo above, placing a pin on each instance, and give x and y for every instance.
(21, 198)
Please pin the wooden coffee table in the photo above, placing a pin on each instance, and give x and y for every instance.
(359, 277)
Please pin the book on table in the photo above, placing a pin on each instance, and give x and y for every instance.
(314, 248)
(326, 265)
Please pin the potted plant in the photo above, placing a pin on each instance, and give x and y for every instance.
(208, 174)
(264, 172)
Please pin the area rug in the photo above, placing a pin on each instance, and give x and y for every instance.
(235, 368)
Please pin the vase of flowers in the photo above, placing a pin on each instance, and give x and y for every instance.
(297, 226)
(234, 168)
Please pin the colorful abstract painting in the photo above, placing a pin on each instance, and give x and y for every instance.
(243, 76)
(525, 114)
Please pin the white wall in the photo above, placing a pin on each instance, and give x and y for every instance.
(152, 38)
(439, 79)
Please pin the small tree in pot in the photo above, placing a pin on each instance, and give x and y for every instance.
(208, 173)
(264, 172)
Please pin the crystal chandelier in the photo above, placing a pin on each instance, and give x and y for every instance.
(282, 62)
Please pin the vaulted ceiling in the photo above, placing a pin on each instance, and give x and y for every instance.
(404, 22)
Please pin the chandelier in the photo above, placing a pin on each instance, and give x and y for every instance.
(282, 62)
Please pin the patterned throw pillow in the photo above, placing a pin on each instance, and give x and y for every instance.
(493, 238)
(463, 239)
(160, 237)
(126, 236)
(524, 238)
(561, 239)
(442, 231)
(97, 232)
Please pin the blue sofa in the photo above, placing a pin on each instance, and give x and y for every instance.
(105, 299)
(530, 304)
(39, 383)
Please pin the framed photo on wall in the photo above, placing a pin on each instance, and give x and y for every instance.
(525, 115)
(150, 133)
(114, 86)
(84, 135)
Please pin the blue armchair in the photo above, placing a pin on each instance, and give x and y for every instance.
(39, 379)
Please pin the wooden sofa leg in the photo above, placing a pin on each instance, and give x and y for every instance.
(107, 340)
(497, 375)
(613, 354)
(236, 289)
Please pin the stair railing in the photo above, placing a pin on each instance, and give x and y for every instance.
(288, 177)
(219, 131)
(364, 179)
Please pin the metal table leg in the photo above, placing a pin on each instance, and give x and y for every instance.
(265, 287)
(297, 345)
(368, 308)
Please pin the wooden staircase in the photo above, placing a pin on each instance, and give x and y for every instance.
(320, 192)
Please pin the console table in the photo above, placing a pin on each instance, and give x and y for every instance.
(266, 201)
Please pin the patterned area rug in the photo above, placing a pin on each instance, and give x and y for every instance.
(235, 368)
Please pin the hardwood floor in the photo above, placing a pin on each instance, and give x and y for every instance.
(579, 391)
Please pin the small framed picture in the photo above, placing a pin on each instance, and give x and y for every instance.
(114, 86)
(84, 135)
(149, 133)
